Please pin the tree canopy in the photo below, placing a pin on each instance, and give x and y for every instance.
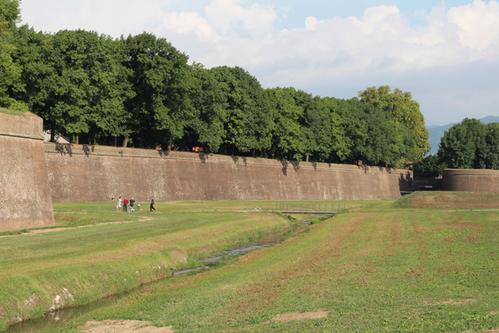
(402, 109)
(141, 91)
(471, 145)
(10, 72)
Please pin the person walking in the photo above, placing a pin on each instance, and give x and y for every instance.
(151, 206)
(132, 205)
(119, 204)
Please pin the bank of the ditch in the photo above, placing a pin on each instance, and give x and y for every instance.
(43, 272)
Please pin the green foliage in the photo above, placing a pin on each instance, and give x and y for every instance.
(10, 77)
(160, 108)
(289, 139)
(141, 91)
(471, 145)
(401, 108)
(206, 126)
(430, 166)
(75, 80)
(248, 123)
(489, 152)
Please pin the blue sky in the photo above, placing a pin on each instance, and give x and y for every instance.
(299, 9)
(445, 52)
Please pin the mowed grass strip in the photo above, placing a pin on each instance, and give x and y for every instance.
(396, 270)
(458, 200)
(78, 265)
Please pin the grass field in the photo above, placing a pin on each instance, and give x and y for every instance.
(82, 261)
(378, 266)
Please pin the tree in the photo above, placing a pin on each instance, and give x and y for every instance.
(30, 56)
(430, 166)
(491, 154)
(336, 138)
(248, 123)
(385, 145)
(468, 145)
(400, 107)
(160, 108)
(206, 127)
(10, 77)
(289, 139)
(75, 81)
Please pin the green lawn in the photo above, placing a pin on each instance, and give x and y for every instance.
(376, 268)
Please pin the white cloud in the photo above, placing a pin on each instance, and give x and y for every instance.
(229, 16)
(112, 17)
(185, 23)
(477, 24)
(244, 34)
(311, 23)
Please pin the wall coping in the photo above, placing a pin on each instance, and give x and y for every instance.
(26, 125)
(472, 172)
(121, 152)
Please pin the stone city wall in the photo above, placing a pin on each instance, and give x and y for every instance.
(25, 199)
(95, 173)
(471, 180)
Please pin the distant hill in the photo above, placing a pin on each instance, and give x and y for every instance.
(437, 132)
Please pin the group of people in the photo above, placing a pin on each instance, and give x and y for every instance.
(131, 205)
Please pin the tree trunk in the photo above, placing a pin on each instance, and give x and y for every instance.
(125, 141)
(52, 131)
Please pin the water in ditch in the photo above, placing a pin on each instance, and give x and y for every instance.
(54, 319)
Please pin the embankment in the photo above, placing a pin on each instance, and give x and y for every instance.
(451, 200)
(96, 173)
(25, 199)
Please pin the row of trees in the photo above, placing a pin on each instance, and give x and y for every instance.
(140, 91)
(468, 145)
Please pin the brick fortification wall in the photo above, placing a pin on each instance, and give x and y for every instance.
(25, 199)
(94, 173)
(471, 180)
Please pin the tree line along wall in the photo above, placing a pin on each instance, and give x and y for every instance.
(95, 173)
(25, 199)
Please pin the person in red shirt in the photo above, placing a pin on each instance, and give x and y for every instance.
(125, 205)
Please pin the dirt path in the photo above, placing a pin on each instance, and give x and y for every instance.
(50, 230)
(123, 326)
(286, 317)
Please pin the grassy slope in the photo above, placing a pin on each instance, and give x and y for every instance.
(460, 200)
(379, 269)
(102, 259)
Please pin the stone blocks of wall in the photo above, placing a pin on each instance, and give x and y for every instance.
(96, 173)
(25, 199)
(471, 180)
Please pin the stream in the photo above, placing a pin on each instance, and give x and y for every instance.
(56, 318)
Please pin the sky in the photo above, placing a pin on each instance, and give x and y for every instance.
(446, 53)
